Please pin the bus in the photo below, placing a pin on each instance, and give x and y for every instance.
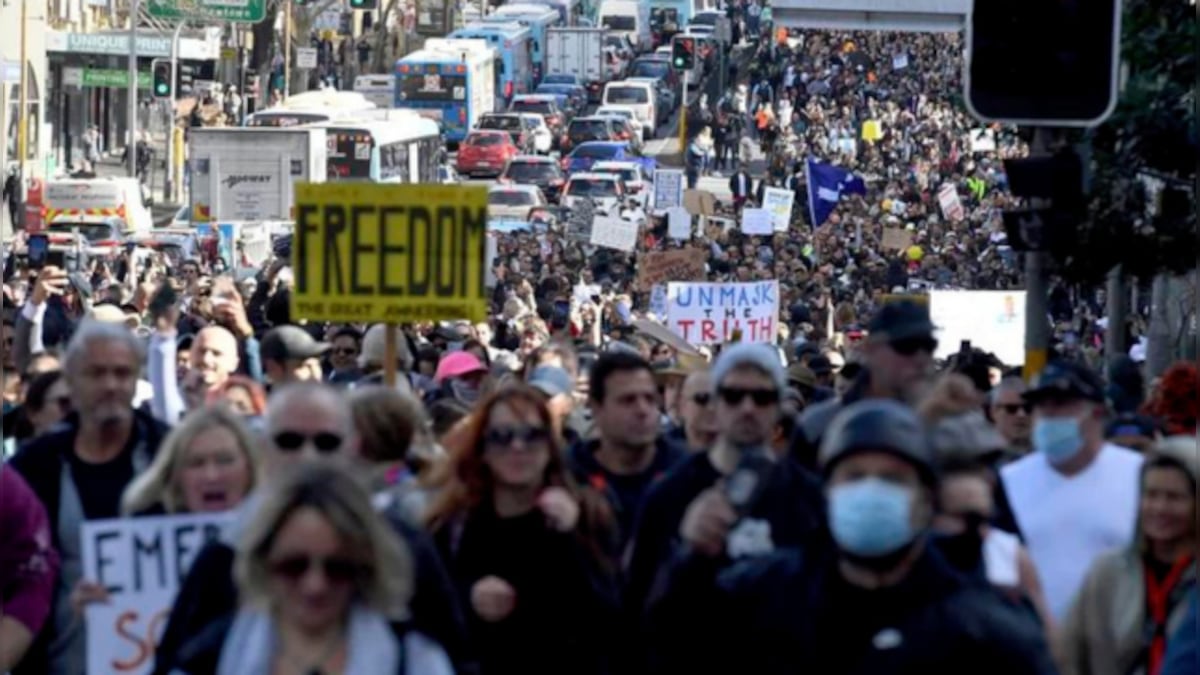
(538, 18)
(403, 149)
(311, 107)
(513, 45)
(450, 82)
(378, 88)
(570, 12)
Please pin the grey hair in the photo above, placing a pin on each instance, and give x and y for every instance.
(89, 331)
(280, 401)
(1010, 383)
(386, 581)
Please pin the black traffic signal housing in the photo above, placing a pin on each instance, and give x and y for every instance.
(683, 52)
(1038, 63)
(364, 4)
(161, 84)
(1053, 225)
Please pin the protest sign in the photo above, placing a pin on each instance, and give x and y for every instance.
(778, 202)
(993, 321)
(699, 202)
(585, 292)
(952, 207)
(668, 188)
(896, 239)
(900, 61)
(756, 221)
(679, 223)
(711, 313)
(872, 130)
(658, 267)
(983, 140)
(658, 301)
(389, 253)
(614, 232)
(141, 562)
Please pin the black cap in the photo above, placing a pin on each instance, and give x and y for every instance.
(878, 425)
(290, 343)
(1066, 380)
(820, 365)
(901, 320)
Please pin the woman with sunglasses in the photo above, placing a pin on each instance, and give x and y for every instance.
(524, 545)
(323, 580)
(47, 402)
(1135, 598)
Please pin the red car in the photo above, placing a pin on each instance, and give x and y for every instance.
(485, 151)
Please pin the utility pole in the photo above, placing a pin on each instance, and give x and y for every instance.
(683, 111)
(131, 145)
(1037, 286)
(23, 117)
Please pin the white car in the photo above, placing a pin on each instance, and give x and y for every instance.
(632, 175)
(542, 138)
(606, 190)
(624, 112)
(513, 202)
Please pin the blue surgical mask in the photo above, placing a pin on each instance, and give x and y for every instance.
(871, 517)
(1058, 438)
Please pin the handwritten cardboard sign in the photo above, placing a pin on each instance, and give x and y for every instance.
(712, 313)
(659, 267)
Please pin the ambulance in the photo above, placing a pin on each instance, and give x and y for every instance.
(111, 196)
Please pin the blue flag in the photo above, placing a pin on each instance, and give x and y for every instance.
(826, 185)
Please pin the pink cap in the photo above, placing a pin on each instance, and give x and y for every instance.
(457, 364)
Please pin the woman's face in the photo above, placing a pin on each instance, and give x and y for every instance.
(214, 474)
(54, 408)
(312, 577)
(1168, 505)
(240, 400)
(516, 446)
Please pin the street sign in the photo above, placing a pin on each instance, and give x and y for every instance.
(235, 11)
(306, 57)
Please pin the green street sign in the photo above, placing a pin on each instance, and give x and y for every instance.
(235, 11)
(111, 77)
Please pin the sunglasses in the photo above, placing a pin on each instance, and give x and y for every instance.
(337, 570)
(324, 441)
(503, 437)
(1014, 408)
(761, 397)
(702, 399)
(910, 346)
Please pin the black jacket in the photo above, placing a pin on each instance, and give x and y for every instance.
(791, 612)
(208, 595)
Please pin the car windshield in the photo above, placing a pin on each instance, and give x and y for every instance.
(654, 69)
(627, 95)
(500, 122)
(614, 41)
(595, 151)
(592, 187)
(619, 23)
(539, 107)
(596, 128)
(705, 19)
(486, 140)
(531, 172)
(92, 232)
(510, 198)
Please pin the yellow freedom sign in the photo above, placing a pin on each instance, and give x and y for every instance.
(365, 252)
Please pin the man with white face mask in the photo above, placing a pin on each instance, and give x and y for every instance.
(1071, 477)
(880, 600)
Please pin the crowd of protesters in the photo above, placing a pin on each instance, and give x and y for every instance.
(557, 491)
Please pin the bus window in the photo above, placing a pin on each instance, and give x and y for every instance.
(433, 87)
(393, 162)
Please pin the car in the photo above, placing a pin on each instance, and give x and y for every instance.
(634, 175)
(665, 100)
(657, 69)
(513, 201)
(627, 132)
(577, 96)
(617, 66)
(562, 78)
(640, 96)
(586, 154)
(536, 170)
(535, 124)
(512, 124)
(546, 106)
(102, 236)
(485, 151)
(591, 128)
(624, 112)
(621, 45)
(604, 189)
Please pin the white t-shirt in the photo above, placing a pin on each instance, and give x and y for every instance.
(1068, 522)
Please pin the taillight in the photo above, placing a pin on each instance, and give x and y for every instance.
(565, 162)
(508, 89)
(106, 243)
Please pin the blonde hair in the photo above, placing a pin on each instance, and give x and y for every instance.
(159, 484)
(345, 503)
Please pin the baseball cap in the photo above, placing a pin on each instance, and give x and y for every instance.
(820, 365)
(551, 381)
(901, 321)
(801, 375)
(291, 343)
(457, 364)
(1066, 380)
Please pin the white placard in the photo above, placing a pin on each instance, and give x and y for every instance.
(711, 313)
(952, 207)
(778, 202)
(983, 140)
(142, 563)
(668, 188)
(614, 232)
(306, 57)
(993, 321)
(756, 221)
(679, 223)
(900, 61)
(658, 301)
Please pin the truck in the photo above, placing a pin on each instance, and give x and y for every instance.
(579, 51)
(630, 18)
(247, 173)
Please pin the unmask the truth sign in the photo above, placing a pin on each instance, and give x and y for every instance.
(714, 313)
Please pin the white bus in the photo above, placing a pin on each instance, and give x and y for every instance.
(378, 88)
(312, 107)
(405, 148)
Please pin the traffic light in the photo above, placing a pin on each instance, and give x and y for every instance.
(364, 4)
(683, 52)
(1054, 223)
(161, 83)
(1043, 63)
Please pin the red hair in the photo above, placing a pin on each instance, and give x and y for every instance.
(1177, 400)
(258, 395)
